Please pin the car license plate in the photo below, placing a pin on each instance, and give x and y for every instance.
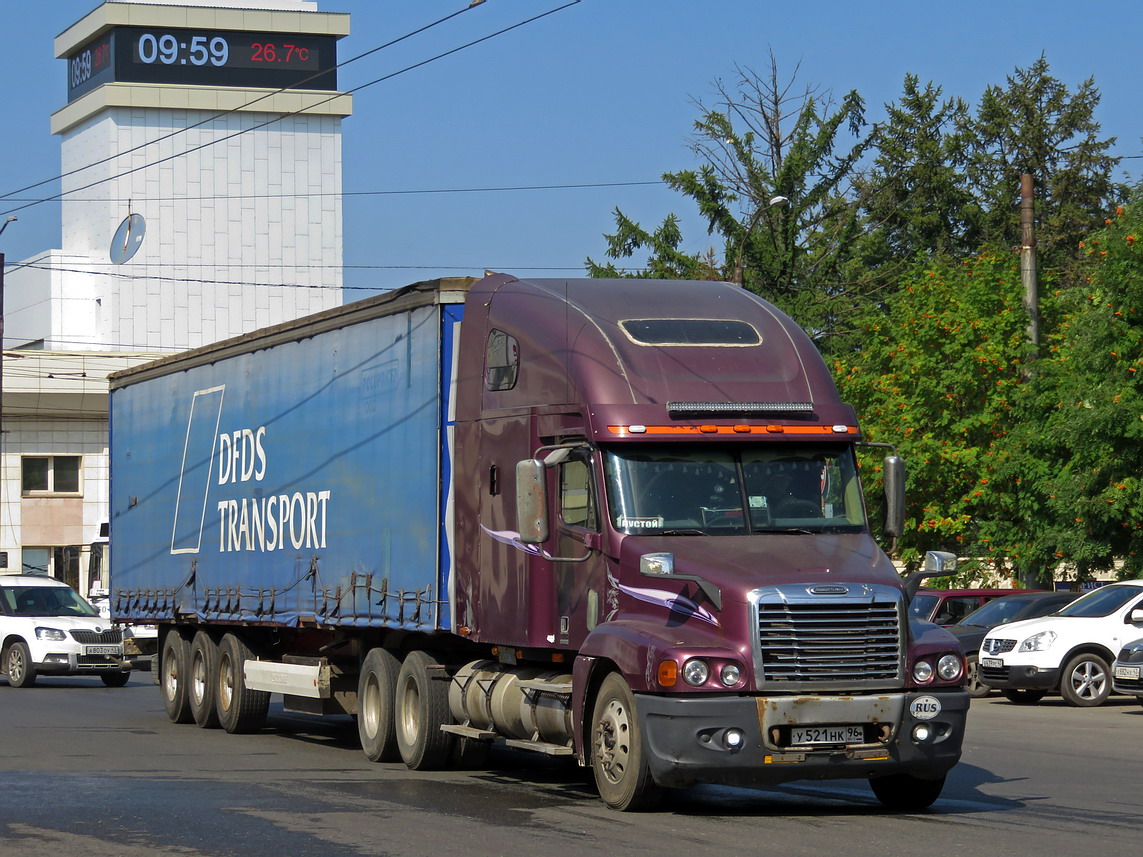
(827, 735)
(101, 650)
(992, 663)
(1127, 672)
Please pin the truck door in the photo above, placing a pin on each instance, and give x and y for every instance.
(579, 584)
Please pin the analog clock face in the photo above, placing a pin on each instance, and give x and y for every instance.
(204, 57)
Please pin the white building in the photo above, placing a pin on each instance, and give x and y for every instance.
(212, 129)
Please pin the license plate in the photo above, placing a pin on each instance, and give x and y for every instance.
(827, 735)
(101, 650)
(1127, 672)
(992, 663)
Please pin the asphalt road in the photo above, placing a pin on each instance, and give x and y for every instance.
(100, 772)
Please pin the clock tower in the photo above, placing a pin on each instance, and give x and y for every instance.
(201, 153)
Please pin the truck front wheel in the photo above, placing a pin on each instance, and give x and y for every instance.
(239, 708)
(906, 793)
(421, 708)
(201, 690)
(376, 694)
(617, 760)
(173, 677)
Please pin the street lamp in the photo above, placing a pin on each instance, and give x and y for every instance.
(738, 272)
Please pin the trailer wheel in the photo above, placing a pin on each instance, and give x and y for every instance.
(173, 677)
(617, 760)
(906, 793)
(376, 700)
(18, 665)
(203, 684)
(421, 708)
(115, 679)
(239, 708)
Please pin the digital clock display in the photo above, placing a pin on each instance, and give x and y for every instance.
(206, 58)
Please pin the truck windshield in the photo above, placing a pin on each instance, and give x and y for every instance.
(722, 490)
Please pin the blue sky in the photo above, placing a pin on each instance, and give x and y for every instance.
(600, 92)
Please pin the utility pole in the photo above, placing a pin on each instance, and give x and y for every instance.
(1028, 260)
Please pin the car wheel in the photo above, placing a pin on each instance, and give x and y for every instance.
(1086, 681)
(18, 665)
(972, 679)
(906, 793)
(115, 679)
(1023, 696)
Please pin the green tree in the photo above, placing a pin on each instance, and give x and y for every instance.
(1037, 125)
(940, 376)
(763, 140)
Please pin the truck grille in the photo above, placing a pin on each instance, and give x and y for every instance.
(829, 642)
(112, 635)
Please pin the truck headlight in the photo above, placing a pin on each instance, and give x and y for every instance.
(922, 671)
(730, 675)
(1038, 642)
(696, 672)
(53, 634)
(948, 667)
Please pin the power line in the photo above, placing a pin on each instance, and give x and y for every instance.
(279, 118)
(336, 194)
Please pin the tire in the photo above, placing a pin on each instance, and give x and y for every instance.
(173, 677)
(617, 761)
(906, 793)
(972, 682)
(376, 705)
(1023, 696)
(115, 679)
(1085, 681)
(202, 684)
(239, 709)
(18, 665)
(420, 709)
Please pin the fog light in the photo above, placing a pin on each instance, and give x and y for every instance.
(696, 672)
(922, 733)
(922, 671)
(730, 675)
(733, 739)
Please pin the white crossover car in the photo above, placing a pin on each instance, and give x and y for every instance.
(46, 628)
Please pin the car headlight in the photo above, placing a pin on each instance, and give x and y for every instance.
(922, 671)
(696, 672)
(948, 667)
(54, 634)
(1038, 642)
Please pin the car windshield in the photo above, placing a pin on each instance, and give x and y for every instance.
(44, 601)
(999, 611)
(1102, 602)
(722, 490)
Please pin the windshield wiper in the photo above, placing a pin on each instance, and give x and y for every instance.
(682, 532)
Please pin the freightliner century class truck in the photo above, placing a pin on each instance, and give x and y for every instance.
(617, 520)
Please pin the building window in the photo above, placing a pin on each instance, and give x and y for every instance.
(61, 563)
(50, 474)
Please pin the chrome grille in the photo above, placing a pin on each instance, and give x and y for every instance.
(111, 635)
(997, 646)
(837, 642)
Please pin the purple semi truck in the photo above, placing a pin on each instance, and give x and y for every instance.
(615, 520)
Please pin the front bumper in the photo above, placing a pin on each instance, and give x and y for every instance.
(1019, 676)
(691, 740)
(71, 663)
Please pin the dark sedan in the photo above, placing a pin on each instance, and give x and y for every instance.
(971, 630)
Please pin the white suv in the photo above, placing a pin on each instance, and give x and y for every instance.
(47, 628)
(1070, 651)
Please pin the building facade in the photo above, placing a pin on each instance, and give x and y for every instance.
(201, 164)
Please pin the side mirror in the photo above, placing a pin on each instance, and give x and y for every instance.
(894, 479)
(531, 501)
(937, 564)
(1135, 617)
